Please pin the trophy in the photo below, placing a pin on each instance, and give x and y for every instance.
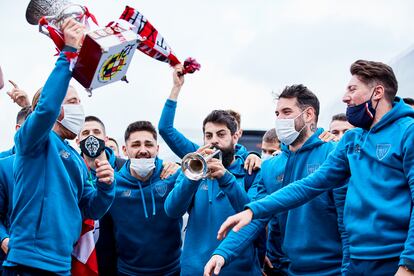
(106, 52)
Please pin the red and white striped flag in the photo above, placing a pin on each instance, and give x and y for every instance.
(84, 261)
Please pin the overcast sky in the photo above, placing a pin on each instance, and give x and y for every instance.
(247, 49)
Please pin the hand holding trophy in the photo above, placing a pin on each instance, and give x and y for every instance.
(105, 53)
(73, 32)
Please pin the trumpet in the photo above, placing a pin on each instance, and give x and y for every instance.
(194, 165)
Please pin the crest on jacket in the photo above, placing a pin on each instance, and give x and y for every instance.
(382, 150)
(161, 188)
(312, 167)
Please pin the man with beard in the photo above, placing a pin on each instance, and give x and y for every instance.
(148, 242)
(377, 157)
(181, 145)
(310, 242)
(208, 201)
(92, 141)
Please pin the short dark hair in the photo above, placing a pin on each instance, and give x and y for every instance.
(270, 136)
(91, 118)
(236, 116)
(113, 140)
(23, 114)
(304, 96)
(140, 126)
(339, 117)
(371, 72)
(409, 101)
(221, 117)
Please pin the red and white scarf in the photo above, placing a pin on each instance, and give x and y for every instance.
(152, 43)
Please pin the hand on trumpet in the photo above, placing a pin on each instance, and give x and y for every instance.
(214, 165)
(215, 168)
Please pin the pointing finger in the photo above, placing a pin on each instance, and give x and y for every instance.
(14, 84)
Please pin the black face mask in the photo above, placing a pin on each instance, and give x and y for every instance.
(362, 115)
(92, 146)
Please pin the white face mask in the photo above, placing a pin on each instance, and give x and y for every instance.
(142, 166)
(285, 130)
(73, 117)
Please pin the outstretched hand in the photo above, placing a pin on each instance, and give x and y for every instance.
(237, 222)
(214, 265)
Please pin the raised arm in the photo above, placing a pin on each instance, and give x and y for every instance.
(34, 132)
(177, 142)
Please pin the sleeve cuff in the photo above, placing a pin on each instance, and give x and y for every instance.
(3, 236)
(222, 253)
(226, 179)
(407, 263)
(69, 49)
(171, 103)
(254, 209)
(105, 187)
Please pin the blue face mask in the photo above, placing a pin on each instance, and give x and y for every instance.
(361, 115)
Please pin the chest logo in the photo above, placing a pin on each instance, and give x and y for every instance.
(382, 150)
(64, 154)
(161, 188)
(312, 167)
(279, 178)
(126, 193)
(203, 186)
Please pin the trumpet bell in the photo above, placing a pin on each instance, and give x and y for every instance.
(194, 166)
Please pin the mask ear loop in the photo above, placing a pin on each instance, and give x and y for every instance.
(300, 115)
(372, 95)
